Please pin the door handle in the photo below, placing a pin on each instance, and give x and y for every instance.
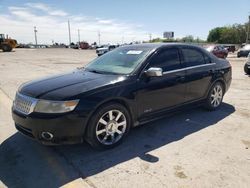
(180, 78)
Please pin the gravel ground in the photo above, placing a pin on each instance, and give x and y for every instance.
(190, 149)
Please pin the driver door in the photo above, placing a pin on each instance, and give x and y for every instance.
(166, 91)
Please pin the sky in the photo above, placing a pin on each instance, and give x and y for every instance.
(117, 20)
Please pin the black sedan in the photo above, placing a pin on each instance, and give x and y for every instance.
(126, 87)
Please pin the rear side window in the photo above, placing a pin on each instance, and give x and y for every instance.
(192, 57)
(167, 59)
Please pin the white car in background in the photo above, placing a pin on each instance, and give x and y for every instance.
(104, 49)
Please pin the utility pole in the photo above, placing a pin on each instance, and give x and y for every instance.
(79, 36)
(122, 39)
(150, 37)
(69, 33)
(99, 37)
(35, 31)
(248, 31)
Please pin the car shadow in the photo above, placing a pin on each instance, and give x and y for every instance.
(26, 163)
(7, 52)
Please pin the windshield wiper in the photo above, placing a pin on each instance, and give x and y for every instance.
(102, 72)
(94, 71)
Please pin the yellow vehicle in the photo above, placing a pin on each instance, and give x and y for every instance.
(7, 44)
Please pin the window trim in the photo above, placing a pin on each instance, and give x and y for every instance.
(188, 68)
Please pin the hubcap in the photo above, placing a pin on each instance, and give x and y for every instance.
(111, 127)
(216, 96)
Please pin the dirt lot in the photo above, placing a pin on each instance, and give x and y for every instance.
(190, 149)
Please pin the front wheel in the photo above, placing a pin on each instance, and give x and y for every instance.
(108, 126)
(215, 96)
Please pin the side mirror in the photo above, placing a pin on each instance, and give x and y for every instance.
(154, 72)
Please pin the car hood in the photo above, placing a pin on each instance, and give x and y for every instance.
(68, 85)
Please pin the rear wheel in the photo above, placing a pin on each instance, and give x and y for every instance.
(215, 96)
(108, 126)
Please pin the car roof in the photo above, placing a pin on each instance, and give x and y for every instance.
(158, 45)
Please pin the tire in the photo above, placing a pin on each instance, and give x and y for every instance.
(246, 69)
(104, 130)
(215, 97)
(6, 48)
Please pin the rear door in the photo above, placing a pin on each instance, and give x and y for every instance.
(199, 70)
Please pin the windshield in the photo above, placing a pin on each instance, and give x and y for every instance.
(119, 61)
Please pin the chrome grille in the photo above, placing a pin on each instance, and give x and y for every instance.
(24, 104)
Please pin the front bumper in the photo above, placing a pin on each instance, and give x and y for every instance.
(66, 129)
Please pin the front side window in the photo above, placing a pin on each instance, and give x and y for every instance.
(192, 57)
(119, 61)
(167, 59)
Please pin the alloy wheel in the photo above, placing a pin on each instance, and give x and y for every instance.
(111, 127)
(216, 95)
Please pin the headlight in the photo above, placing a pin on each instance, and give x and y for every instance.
(46, 106)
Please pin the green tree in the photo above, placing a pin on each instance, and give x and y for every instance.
(235, 34)
(188, 38)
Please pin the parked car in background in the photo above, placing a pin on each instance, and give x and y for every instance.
(104, 49)
(73, 46)
(243, 52)
(218, 51)
(84, 45)
(128, 86)
(247, 65)
(230, 48)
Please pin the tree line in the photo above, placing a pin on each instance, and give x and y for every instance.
(232, 34)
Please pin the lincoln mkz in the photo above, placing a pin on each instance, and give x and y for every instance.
(128, 86)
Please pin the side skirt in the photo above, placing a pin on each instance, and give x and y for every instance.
(168, 112)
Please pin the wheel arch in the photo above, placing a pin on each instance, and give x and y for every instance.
(120, 101)
(221, 80)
